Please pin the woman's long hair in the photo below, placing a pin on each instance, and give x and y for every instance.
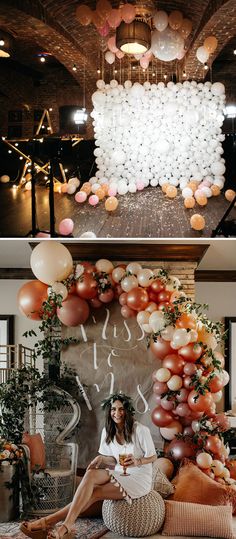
(128, 419)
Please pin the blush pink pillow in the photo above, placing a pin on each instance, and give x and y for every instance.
(197, 520)
(37, 450)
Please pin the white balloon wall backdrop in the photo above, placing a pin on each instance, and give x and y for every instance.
(153, 134)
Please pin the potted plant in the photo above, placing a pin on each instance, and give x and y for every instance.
(10, 455)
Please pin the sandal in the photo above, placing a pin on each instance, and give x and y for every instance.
(40, 533)
(55, 534)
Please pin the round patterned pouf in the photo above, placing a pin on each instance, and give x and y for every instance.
(144, 517)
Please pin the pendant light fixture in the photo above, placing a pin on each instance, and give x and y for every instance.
(133, 38)
(5, 44)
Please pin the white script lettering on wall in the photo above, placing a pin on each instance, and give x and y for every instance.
(112, 356)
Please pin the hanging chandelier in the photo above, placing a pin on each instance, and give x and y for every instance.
(133, 38)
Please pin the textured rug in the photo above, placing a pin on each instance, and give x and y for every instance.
(86, 528)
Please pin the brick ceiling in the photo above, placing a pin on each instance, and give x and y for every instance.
(50, 26)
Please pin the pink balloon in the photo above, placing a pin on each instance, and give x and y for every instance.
(74, 311)
(198, 193)
(43, 235)
(112, 192)
(64, 188)
(140, 185)
(66, 227)
(120, 54)
(93, 200)
(81, 196)
(207, 183)
(104, 30)
(144, 62)
(112, 44)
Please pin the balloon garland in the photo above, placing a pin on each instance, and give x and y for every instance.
(191, 377)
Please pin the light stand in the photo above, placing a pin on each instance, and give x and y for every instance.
(226, 228)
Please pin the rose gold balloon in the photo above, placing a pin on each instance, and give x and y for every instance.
(104, 8)
(107, 296)
(179, 449)
(223, 421)
(171, 430)
(137, 299)
(198, 402)
(210, 44)
(160, 348)
(174, 362)
(186, 321)
(30, 299)
(157, 286)
(123, 298)
(161, 417)
(191, 352)
(74, 311)
(86, 287)
(160, 387)
(213, 444)
(95, 303)
(127, 312)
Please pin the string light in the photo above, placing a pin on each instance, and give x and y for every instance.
(42, 59)
(184, 74)
(74, 68)
(9, 151)
(235, 51)
(165, 76)
(154, 74)
(50, 110)
(16, 144)
(2, 42)
(21, 158)
(205, 66)
(98, 71)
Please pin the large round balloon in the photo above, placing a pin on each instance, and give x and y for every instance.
(137, 299)
(51, 261)
(179, 449)
(87, 287)
(160, 348)
(198, 402)
(74, 311)
(30, 298)
(167, 44)
(161, 417)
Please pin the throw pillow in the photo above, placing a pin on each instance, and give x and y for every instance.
(197, 520)
(37, 450)
(192, 485)
(160, 483)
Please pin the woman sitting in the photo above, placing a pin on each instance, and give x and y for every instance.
(123, 440)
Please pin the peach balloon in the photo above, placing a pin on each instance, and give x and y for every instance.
(173, 428)
(160, 348)
(64, 188)
(204, 460)
(112, 44)
(215, 190)
(230, 194)
(97, 19)
(30, 299)
(127, 312)
(86, 187)
(186, 28)
(164, 187)
(166, 466)
(192, 185)
(117, 274)
(128, 12)
(210, 44)
(175, 19)
(84, 15)
(114, 18)
(104, 8)
(189, 202)
(100, 193)
(201, 200)
(74, 311)
(197, 222)
(111, 203)
(104, 265)
(51, 261)
(171, 191)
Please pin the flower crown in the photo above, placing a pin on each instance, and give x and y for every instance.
(128, 405)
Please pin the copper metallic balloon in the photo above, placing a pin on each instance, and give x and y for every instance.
(30, 298)
(137, 299)
(86, 287)
(174, 363)
(156, 286)
(179, 449)
(161, 417)
(198, 402)
(160, 348)
(74, 311)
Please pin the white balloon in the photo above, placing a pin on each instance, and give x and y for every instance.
(202, 54)
(160, 20)
(110, 57)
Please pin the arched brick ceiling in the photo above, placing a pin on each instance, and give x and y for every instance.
(52, 25)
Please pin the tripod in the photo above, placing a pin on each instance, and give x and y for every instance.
(227, 228)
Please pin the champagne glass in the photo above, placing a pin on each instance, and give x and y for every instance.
(122, 457)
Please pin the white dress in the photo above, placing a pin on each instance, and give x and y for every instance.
(139, 482)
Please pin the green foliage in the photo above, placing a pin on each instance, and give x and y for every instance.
(51, 344)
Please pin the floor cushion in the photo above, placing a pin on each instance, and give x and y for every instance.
(144, 517)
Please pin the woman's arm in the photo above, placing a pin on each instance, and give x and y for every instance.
(102, 461)
(132, 461)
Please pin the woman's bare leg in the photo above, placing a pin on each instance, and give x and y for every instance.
(86, 495)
